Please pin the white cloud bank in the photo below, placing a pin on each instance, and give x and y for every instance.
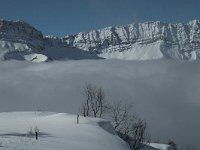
(165, 93)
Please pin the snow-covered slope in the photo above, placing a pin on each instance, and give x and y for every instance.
(60, 131)
(19, 40)
(142, 41)
(56, 132)
(137, 41)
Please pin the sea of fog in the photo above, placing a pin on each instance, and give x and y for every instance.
(165, 93)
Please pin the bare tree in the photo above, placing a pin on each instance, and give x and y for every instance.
(138, 134)
(95, 102)
(119, 116)
(129, 127)
(89, 97)
(83, 109)
(101, 101)
(89, 92)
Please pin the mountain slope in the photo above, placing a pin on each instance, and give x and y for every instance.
(19, 40)
(59, 131)
(137, 41)
(142, 41)
(56, 132)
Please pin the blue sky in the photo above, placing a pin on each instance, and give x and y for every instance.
(62, 17)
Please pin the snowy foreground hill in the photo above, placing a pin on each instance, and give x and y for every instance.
(136, 41)
(59, 131)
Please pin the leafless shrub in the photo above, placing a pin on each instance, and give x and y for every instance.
(119, 113)
(128, 126)
(131, 128)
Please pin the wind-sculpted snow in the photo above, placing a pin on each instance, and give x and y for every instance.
(137, 41)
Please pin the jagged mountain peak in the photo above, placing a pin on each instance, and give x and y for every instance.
(21, 32)
(135, 41)
(14, 26)
(142, 41)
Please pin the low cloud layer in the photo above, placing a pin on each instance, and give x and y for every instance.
(166, 94)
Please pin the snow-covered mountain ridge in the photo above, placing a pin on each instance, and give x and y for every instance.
(21, 32)
(136, 41)
(142, 41)
(21, 41)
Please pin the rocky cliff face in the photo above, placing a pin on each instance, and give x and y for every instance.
(137, 41)
(21, 32)
(21, 41)
(142, 41)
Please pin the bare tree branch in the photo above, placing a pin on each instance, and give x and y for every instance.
(95, 102)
